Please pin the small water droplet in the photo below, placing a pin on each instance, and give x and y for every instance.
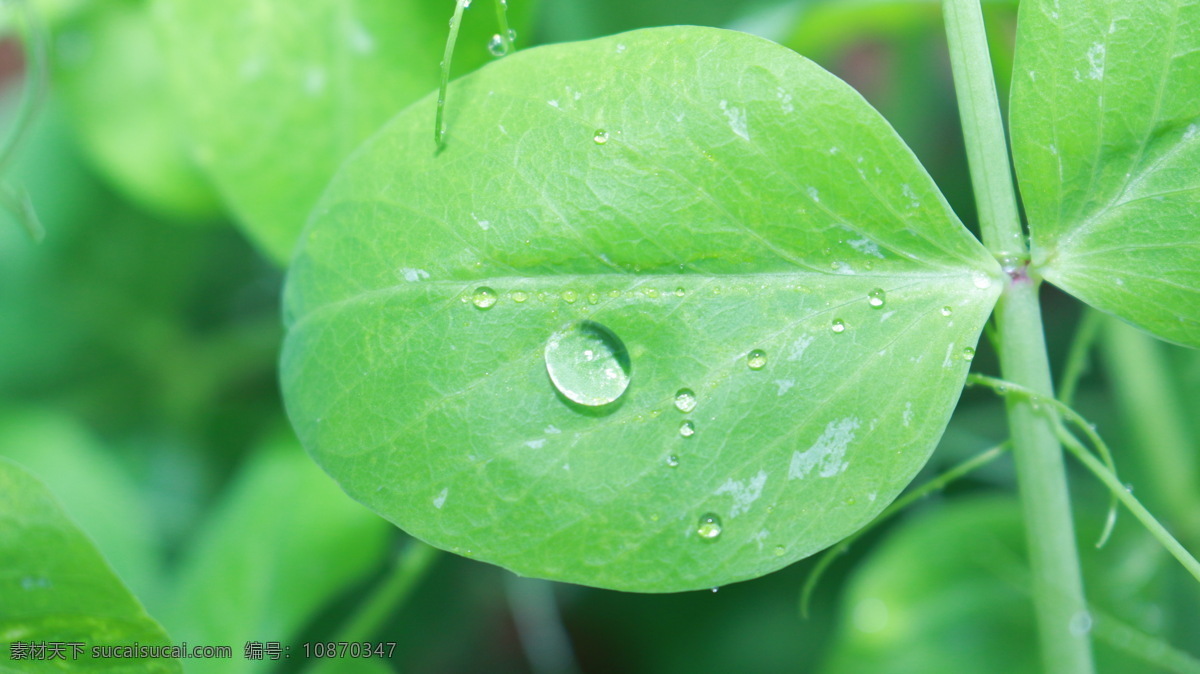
(968, 353)
(876, 298)
(680, 292)
(835, 265)
(838, 326)
(710, 527)
(601, 136)
(982, 281)
(715, 590)
(593, 298)
(779, 551)
(673, 461)
(519, 296)
(496, 46)
(484, 297)
(652, 293)
(946, 311)
(570, 296)
(685, 400)
(687, 429)
(588, 364)
(756, 359)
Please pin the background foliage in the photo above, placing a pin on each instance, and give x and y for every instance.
(138, 382)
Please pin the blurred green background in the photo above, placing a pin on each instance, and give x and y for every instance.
(138, 347)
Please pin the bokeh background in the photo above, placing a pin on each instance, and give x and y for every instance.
(138, 348)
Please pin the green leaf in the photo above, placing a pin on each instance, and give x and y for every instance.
(83, 475)
(55, 587)
(109, 69)
(278, 92)
(687, 197)
(1106, 142)
(280, 546)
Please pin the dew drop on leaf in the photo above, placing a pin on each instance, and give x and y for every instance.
(876, 298)
(588, 364)
(968, 353)
(710, 527)
(685, 400)
(601, 136)
(484, 297)
(779, 550)
(838, 325)
(946, 311)
(570, 296)
(756, 359)
(673, 461)
(519, 296)
(687, 429)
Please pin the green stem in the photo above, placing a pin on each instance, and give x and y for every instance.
(439, 127)
(1041, 475)
(983, 129)
(506, 34)
(414, 561)
(1077, 358)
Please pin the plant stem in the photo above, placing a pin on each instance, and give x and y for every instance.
(439, 126)
(414, 561)
(983, 129)
(1041, 475)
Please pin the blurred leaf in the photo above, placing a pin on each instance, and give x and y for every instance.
(95, 490)
(55, 586)
(570, 20)
(949, 586)
(699, 219)
(109, 68)
(278, 93)
(1106, 143)
(281, 544)
(933, 596)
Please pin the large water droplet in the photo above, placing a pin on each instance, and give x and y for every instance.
(838, 325)
(570, 296)
(687, 429)
(484, 297)
(876, 298)
(601, 136)
(685, 400)
(756, 359)
(710, 527)
(588, 363)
